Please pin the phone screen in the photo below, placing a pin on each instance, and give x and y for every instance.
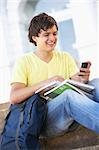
(84, 65)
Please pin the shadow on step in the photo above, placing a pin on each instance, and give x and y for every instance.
(80, 137)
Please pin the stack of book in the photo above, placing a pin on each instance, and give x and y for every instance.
(55, 88)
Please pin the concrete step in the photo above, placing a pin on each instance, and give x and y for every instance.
(96, 147)
(79, 139)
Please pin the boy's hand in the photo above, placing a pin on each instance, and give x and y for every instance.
(56, 78)
(83, 74)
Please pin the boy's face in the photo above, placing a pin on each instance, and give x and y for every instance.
(46, 40)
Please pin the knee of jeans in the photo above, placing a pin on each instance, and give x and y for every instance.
(69, 93)
(69, 96)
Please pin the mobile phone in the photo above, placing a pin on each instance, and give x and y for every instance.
(84, 65)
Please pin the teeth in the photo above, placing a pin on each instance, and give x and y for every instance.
(50, 43)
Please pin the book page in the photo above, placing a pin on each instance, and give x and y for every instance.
(82, 86)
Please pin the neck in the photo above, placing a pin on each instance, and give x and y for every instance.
(45, 56)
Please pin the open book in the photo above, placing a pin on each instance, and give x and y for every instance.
(55, 88)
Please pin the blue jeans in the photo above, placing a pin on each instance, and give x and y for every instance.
(70, 106)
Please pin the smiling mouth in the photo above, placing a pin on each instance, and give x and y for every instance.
(51, 44)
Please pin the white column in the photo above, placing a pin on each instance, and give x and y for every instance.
(14, 34)
(85, 26)
(10, 44)
(4, 60)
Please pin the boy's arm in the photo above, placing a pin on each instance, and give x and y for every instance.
(20, 92)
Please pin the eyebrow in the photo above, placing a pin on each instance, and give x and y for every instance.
(49, 31)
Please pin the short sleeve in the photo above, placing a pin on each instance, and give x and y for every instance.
(19, 71)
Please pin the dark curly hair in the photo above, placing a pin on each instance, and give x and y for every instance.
(42, 21)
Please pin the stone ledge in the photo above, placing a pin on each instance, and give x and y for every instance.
(3, 111)
(80, 139)
(88, 148)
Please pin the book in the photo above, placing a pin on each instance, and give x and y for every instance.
(54, 89)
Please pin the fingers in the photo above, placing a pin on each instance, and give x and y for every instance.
(57, 78)
(81, 76)
(84, 72)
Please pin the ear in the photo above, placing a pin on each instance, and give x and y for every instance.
(34, 38)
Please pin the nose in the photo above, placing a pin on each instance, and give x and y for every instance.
(52, 37)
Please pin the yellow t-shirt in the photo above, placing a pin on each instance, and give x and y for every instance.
(30, 69)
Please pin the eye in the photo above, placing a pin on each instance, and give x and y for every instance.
(46, 34)
(55, 33)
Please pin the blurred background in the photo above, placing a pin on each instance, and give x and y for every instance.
(77, 21)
